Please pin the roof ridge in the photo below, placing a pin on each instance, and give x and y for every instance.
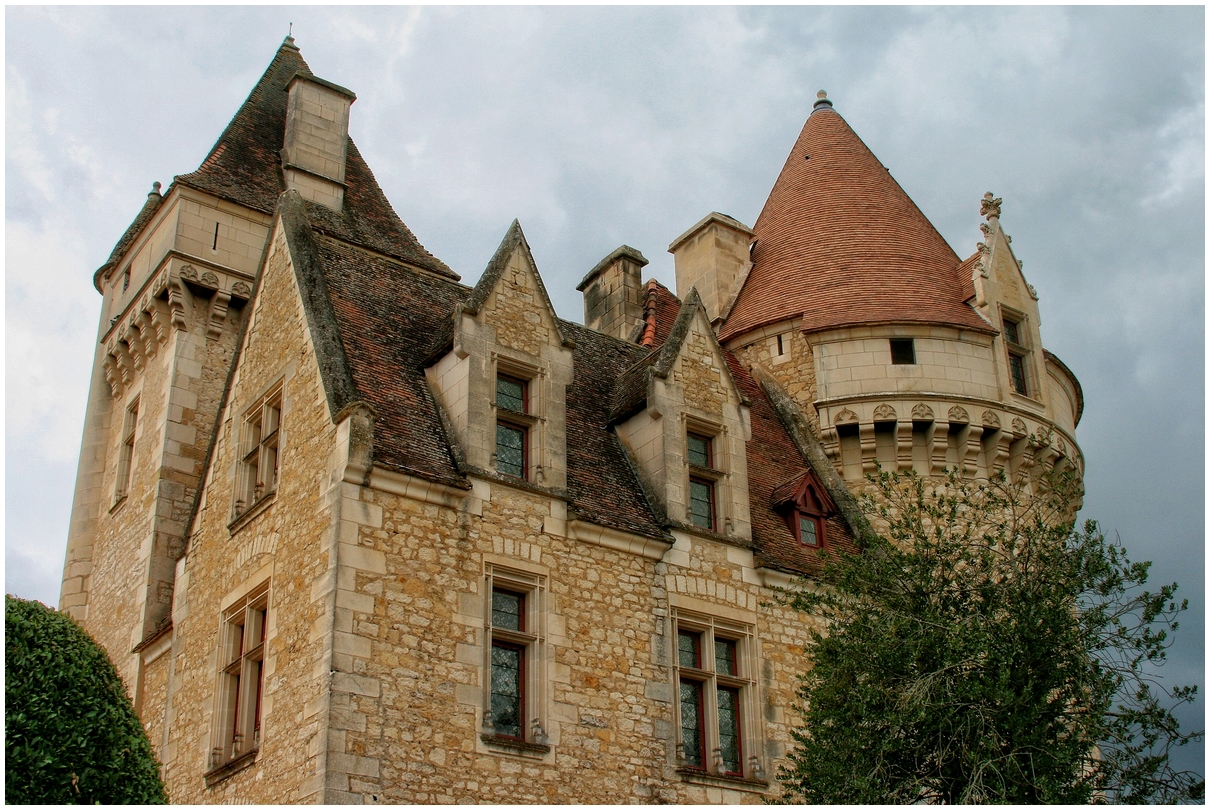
(150, 206)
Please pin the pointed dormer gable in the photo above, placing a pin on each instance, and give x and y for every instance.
(840, 243)
(685, 423)
(511, 295)
(502, 383)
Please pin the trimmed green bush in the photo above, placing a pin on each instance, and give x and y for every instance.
(70, 733)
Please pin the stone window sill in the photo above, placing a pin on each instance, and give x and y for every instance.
(230, 768)
(717, 780)
(515, 746)
(251, 512)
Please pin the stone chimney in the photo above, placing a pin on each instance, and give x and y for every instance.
(317, 137)
(713, 256)
(613, 293)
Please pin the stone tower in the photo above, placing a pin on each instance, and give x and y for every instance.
(900, 353)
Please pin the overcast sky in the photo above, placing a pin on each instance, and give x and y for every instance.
(602, 126)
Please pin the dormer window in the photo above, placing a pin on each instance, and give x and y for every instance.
(805, 506)
(512, 425)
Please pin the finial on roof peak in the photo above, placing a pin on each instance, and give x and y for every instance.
(822, 101)
(155, 188)
(289, 40)
(990, 207)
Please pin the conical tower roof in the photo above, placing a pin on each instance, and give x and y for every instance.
(840, 243)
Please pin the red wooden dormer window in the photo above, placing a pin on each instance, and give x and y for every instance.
(805, 506)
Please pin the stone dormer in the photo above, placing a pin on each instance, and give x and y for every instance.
(613, 293)
(1010, 304)
(712, 257)
(503, 380)
(317, 138)
(685, 423)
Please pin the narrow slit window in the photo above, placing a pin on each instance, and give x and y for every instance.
(512, 429)
(126, 451)
(215, 245)
(514, 687)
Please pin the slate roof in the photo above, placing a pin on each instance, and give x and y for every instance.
(379, 322)
(839, 242)
(244, 166)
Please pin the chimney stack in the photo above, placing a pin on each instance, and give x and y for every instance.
(713, 256)
(317, 137)
(613, 294)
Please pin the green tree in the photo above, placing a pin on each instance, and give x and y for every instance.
(70, 733)
(983, 649)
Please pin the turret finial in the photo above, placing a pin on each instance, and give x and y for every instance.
(289, 40)
(155, 187)
(822, 100)
(990, 207)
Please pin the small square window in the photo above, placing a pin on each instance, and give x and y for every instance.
(903, 352)
(809, 530)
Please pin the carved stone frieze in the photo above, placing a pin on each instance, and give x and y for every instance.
(208, 279)
(990, 419)
(959, 416)
(884, 413)
(922, 413)
(845, 417)
(241, 289)
(1019, 428)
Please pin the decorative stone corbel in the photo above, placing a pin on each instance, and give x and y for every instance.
(969, 462)
(218, 314)
(125, 364)
(130, 336)
(112, 376)
(869, 448)
(903, 445)
(156, 312)
(176, 300)
(940, 449)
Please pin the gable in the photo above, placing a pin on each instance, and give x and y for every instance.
(511, 297)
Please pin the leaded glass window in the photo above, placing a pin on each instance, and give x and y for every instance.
(692, 725)
(701, 503)
(510, 449)
(510, 394)
(507, 688)
(699, 450)
(728, 730)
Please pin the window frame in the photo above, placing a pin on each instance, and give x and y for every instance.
(530, 640)
(709, 680)
(819, 521)
(710, 476)
(237, 732)
(520, 422)
(1017, 351)
(125, 469)
(258, 450)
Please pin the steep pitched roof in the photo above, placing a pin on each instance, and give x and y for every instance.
(839, 242)
(244, 166)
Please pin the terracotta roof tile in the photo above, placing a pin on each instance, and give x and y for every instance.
(839, 242)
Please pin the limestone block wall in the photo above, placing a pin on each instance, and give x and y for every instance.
(783, 351)
(407, 719)
(240, 238)
(284, 542)
(857, 361)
